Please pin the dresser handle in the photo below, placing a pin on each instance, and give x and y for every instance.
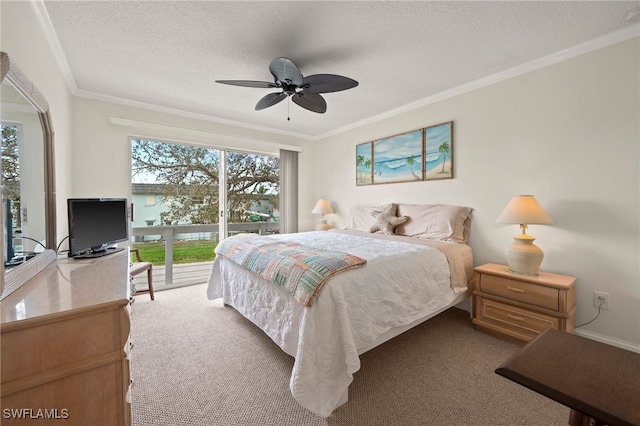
(516, 289)
(514, 317)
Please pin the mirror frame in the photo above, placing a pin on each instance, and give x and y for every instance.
(23, 85)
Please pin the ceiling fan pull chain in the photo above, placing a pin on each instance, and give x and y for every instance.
(289, 108)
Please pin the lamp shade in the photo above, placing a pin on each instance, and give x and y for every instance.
(524, 209)
(322, 207)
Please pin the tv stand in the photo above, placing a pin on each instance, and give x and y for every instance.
(97, 253)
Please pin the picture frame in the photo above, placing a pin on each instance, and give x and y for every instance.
(438, 153)
(364, 164)
(419, 155)
(398, 158)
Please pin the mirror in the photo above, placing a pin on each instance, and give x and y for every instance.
(28, 187)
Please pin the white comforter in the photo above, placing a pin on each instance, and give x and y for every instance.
(400, 283)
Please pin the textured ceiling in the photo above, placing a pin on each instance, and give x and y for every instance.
(169, 53)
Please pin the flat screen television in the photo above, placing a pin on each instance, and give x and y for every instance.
(95, 225)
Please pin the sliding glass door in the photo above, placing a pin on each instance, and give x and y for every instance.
(186, 198)
(252, 193)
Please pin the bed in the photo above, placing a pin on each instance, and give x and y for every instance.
(408, 278)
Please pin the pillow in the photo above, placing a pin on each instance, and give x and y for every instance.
(435, 222)
(386, 219)
(361, 218)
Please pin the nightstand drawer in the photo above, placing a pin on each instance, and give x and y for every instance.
(511, 318)
(545, 297)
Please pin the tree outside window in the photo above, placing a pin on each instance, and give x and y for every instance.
(188, 179)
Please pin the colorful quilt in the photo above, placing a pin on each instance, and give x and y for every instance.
(300, 270)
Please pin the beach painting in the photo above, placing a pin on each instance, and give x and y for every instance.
(398, 158)
(438, 161)
(364, 164)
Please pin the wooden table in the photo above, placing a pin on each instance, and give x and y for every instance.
(597, 381)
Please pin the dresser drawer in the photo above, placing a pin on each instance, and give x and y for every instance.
(538, 295)
(519, 322)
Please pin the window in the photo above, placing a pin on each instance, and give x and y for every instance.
(200, 196)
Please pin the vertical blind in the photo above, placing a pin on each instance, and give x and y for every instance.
(288, 191)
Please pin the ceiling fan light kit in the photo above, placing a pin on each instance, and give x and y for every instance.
(304, 91)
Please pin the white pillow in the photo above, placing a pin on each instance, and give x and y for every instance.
(361, 218)
(435, 222)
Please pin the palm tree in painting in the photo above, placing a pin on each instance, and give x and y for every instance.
(363, 164)
(410, 162)
(359, 162)
(367, 165)
(444, 150)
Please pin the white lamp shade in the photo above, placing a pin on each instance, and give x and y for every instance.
(322, 207)
(524, 209)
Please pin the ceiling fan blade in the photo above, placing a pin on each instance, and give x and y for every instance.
(326, 83)
(270, 100)
(283, 69)
(311, 101)
(249, 83)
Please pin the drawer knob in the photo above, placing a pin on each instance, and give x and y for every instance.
(515, 289)
(515, 317)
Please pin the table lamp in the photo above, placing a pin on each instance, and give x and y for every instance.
(524, 257)
(322, 207)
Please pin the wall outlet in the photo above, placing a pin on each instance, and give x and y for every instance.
(600, 297)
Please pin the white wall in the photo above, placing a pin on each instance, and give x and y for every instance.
(569, 134)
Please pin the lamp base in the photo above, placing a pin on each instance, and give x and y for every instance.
(524, 257)
(322, 225)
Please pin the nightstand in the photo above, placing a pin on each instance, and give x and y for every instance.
(520, 306)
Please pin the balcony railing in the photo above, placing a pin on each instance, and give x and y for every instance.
(169, 233)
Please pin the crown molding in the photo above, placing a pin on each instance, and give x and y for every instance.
(181, 113)
(54, 43)
(223, 141)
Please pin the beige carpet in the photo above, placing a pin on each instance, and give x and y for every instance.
(196, 362)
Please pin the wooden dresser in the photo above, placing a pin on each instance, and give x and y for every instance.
(522, 307)
(65, 345)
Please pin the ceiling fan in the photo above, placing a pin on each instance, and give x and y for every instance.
(304, 91)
